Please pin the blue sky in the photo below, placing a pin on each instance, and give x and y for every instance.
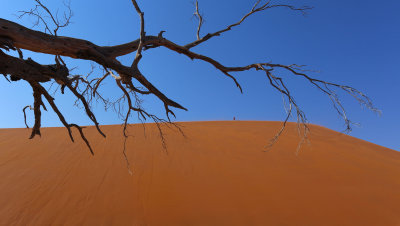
(350, 42)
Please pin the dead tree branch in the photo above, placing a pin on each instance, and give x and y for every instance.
(23, 110)
(15, 37)
(257, 7)
(200, 18)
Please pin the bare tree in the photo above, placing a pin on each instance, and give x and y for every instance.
(16, 37)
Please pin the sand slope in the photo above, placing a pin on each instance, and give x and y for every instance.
(218, 175)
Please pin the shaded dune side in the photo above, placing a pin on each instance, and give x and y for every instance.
(218, 175)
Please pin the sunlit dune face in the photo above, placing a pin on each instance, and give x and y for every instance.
(218, 175)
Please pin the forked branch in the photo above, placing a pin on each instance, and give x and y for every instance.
(257, 7)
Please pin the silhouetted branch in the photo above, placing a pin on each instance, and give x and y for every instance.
(15, 37)
(257, 7)
(23, 110)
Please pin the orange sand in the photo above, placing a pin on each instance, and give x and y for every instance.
(218, 175)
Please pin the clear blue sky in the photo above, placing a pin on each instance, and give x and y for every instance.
(352, 42)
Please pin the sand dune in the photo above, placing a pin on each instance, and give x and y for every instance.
(217, 175)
